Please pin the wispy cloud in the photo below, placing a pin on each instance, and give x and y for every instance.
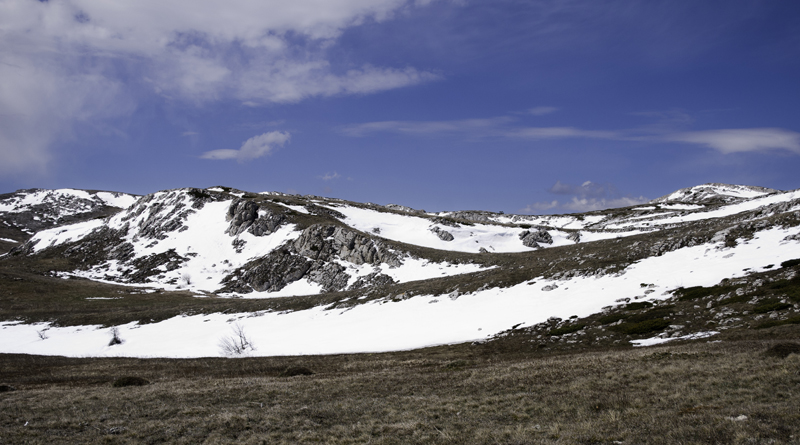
(189, 133)
(490, 126)
(742, 140)
(255, 147)
(725, 141)
(330, 176)
(585, 197)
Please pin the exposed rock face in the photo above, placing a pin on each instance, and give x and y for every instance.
(270, 273)
(322, 242)
(474, 216)
(244, 216)
(374, 279)
(532, 239)
(164, 214)
(323, 211)
(312, 256)
(405, 209)
(574, 236)
(442, 234)
(445, 221)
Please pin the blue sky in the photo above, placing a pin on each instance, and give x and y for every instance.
(503, 105)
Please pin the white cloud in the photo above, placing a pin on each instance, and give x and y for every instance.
(561, 133)
(726, 140)
(490, 126)
(71, 61)
(586, 197)
(330, 176)
(255, 147)
(743, 140)
(580, 205)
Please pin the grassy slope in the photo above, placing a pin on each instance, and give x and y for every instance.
(463, 394)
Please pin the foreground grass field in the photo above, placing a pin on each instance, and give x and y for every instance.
(701, 392)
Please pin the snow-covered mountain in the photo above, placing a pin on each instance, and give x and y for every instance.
(714, 193)
(25, 212)
(400, 278)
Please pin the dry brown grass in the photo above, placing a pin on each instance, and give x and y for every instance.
(674, 394)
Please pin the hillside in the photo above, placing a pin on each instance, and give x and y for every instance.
(179, 273)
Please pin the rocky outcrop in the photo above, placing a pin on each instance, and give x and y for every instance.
(474, 216)
(574, 236)
(323, 211)
(312, 256)
(533, 239)
(165, 212)
(323, 242)
(245, 215)
(442, 234)
(404, 209)
(375, 279)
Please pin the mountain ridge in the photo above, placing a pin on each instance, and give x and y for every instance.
(349, 263)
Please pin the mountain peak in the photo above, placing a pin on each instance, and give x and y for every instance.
(714, 192)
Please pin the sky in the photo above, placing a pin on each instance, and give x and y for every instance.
(520, 106)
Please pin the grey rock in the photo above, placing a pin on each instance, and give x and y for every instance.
(474, 216)
(533, 239)
(330, 276)
(574, 236)
(375, 279)
(400, 208)
(323, 242)
(442, 234)
(244, 216)
(324, 211)
(311, 256)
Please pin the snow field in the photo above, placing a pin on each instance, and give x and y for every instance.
(415, 230)
(386, 325)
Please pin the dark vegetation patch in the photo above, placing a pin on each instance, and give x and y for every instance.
(642, 327)
(791, 263)
(697, 292)
(770, 306)
(568, 329)
(783, 350)
(612, 318)
(129, 381)
(293, 371)
(774, 323)
(638, 305)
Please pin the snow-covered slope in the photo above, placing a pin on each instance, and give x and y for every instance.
(407, 278)
(31, 210)
(714, 192)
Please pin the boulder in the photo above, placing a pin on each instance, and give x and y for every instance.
(442, 234)
(533, 239)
